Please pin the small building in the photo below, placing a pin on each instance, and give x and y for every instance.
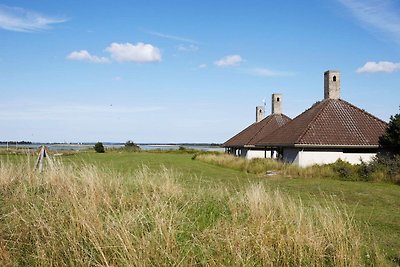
(331, 129)
(243, 144)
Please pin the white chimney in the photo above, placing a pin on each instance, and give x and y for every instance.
(331, 84)
(276, 103)
(260, 113)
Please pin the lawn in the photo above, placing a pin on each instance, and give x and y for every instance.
(375, 206)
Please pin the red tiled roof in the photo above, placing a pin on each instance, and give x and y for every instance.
(331, 122)
(252, 134)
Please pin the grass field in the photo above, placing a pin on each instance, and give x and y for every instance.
(375, 206)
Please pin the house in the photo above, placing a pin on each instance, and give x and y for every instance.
(243, 144)
(331, 129)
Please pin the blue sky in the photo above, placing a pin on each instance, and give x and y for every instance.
(186, 71)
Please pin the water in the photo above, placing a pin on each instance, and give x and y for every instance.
(90, 146)
(176, 147)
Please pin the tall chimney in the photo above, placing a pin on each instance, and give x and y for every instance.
(331, 84)
(276, 103)
(260, 112)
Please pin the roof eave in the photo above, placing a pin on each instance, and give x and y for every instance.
(273, 145)
(249, 146)
(333, 146)
(317, 146)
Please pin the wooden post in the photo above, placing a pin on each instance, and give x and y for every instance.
(43, 154)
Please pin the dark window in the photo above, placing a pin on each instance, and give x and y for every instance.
(277, 99)
(334, 78)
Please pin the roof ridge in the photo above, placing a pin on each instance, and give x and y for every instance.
(289, 120)
(265, 124)
(239, 133)
(324, 103)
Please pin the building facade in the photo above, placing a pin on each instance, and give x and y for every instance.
(244, 143)
(331, 129)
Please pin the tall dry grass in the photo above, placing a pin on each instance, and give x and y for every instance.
(79, 216)
(261, 166)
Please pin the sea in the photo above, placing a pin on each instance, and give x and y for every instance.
(85, 146)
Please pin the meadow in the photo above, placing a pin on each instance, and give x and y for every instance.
(143, 209)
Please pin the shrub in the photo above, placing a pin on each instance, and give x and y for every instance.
(365, 171)
(344, 170)
(390, 140)
(389, 165)
(131, 146)
(99, 148)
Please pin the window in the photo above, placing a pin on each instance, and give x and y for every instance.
(334, 78)
(277, 99)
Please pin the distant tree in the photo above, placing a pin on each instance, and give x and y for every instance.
(390, 140)
(130, 145)
(99, 148)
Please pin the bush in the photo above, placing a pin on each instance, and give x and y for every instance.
(390, 140)
(130, 145)
(344, 170)
(365, 171)
(99, 148)
(389, 165)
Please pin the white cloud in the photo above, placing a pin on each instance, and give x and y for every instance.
(23, 20)
(202, 66)
(188, 48)
(381, 15)
(84, 55)
(381, 66)
(232, 60)
(268, 73)
(173, 37)
(139, 53)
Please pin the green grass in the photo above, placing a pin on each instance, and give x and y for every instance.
(376, 206)
(193, 172)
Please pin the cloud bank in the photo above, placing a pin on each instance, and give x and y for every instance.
(84, 55)
(139, 53)
(188, 48)
(173, 37)
(380, 15)
(121, 52)
(264, 72)
(232, 60)
(381, 66)
(23, 20)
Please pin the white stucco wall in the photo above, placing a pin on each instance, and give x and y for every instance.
(251, 153)
(308, 158)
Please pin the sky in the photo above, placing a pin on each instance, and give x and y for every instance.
(186, 71)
